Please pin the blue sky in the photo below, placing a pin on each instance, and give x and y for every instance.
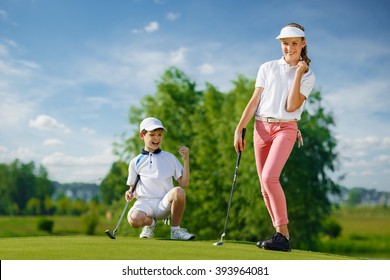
(70, 70)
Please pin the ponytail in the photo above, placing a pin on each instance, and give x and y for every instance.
(304, 56)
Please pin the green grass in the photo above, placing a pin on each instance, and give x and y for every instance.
(364, 220)
(132, 248)
(23, 226)
(365, 233)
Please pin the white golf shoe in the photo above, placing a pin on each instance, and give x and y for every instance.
(182, 234)
(148, 231)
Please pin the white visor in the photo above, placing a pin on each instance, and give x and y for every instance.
(290, 32)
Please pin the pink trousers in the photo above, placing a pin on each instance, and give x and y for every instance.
(273, 145)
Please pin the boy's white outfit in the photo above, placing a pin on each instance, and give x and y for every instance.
(156, 171)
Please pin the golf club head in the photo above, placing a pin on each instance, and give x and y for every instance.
(109, 234)
(220, 243)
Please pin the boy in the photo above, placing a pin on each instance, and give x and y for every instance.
(157, 198)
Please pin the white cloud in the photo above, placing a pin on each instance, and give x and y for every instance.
(383, 159)
(206, 69)
(128, 70)
(3, 50)
(65, 168)
(123, 68)
(353, 100)
(357, 163)
(151, 27)
(22, 153)
(172, 16)
(10, 43)
(29, 64)
(366, 141)
(3, 15)
(11, 67)
(88, 131)
(13, 109)
(367, 173)
(53, 142)
(16, 68)
(178, 56)
(61, 159)
(136, 31)
(99, 101)
(44, 122)
(386, 142)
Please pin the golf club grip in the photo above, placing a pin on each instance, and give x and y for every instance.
(135, 183)
(243, 133)
(239, 152)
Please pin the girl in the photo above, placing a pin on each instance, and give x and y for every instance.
(281, 89)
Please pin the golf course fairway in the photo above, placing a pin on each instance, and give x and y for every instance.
(131, 248)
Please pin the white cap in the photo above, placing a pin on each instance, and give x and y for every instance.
(290, 32)
(150, 124)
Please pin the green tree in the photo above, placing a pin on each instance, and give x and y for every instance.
(19, 184)
(49, 206)
(113, 186)
(354, 198)
(205, 194)
(23, 183)
(33, 206)
(7, 205)
(331, 228)
(64, 205)
(43, 189)
(79, 207)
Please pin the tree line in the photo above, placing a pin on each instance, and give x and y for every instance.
(25, 189)
(24, 186)
(205, 120)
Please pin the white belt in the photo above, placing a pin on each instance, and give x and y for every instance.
(272, 120)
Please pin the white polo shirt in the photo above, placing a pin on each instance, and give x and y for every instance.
(276, 78)
(156, 171)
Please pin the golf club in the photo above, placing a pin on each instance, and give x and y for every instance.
(219, 243)
(112, 235)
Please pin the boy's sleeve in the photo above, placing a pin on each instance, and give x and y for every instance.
(132, 173)
(178, 172)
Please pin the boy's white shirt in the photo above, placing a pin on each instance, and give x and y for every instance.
(157, 172)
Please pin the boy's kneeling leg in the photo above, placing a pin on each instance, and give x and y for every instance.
(178, 199)
(177, 194)
(137, 219)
